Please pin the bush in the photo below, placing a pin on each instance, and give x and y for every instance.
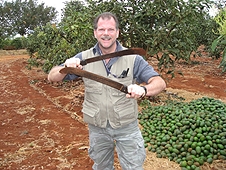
(170, 28)
(13, 44)
(17, 43)
(220, 42)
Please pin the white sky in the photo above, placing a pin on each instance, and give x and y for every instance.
(213, 11)
(58, 4)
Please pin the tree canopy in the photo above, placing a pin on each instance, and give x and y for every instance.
(22, 17)
(170, 28)
(219, 44)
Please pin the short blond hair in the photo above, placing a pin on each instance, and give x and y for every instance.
(104, 15)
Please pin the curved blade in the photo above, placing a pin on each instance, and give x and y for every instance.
(139, 51)
(95, 77)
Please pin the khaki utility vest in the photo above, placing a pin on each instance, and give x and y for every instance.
(103, 103)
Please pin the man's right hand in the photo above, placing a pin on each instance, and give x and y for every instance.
(73, 62)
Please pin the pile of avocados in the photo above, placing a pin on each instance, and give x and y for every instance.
(188, 133)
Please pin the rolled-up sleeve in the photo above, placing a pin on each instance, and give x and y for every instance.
(142, 70)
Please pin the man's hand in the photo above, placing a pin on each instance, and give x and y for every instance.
(73, 62)
(135, 91)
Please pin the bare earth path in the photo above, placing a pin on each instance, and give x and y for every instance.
(41, 123)
(35, 131)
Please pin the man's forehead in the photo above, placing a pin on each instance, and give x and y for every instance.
(111, 19)
(106, 21)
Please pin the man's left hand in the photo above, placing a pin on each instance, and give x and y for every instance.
(135, 91)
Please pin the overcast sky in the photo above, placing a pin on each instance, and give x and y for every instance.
(58, 4)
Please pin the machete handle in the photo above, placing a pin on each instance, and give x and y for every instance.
(124, 89)
(83, 62)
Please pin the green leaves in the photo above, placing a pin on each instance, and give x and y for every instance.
(21, 17)
(216, 42)
(55, 44)
(220, 42)
(223, 62)
(173, 28)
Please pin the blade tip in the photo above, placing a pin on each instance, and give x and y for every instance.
(140, 51)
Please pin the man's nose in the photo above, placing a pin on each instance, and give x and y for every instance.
(106, 31)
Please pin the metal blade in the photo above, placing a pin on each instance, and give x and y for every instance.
(139, 51)
(95, 77)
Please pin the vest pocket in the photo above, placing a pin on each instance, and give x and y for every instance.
(125, 112)
(91, 112)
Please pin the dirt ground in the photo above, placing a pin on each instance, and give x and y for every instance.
(41, 123)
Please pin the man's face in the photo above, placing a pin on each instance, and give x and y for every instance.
(106, 33)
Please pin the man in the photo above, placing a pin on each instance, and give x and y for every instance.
(111, 114)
